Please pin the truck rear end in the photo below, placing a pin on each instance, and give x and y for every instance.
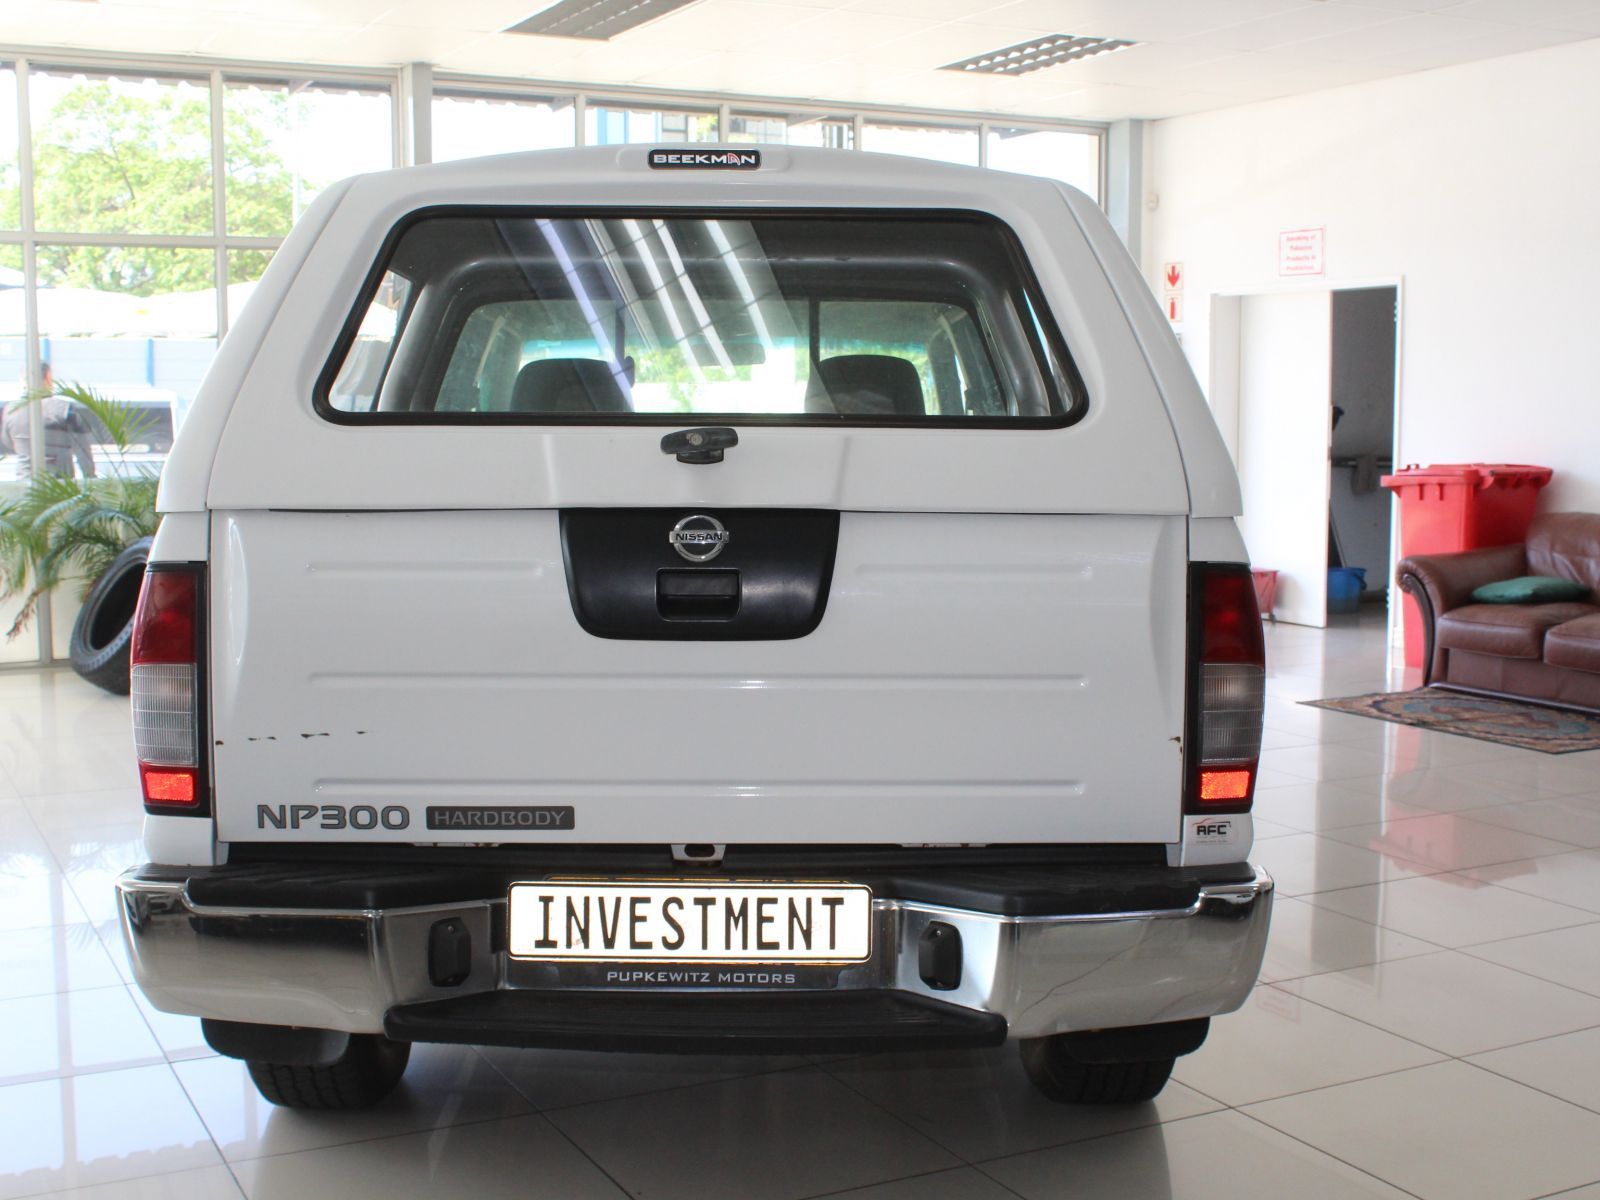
(717, 600)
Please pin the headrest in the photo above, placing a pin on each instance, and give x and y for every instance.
(569, 385)
(871, 385)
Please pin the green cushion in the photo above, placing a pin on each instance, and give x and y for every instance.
(1530, 589)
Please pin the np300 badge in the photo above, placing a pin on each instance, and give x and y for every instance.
(699, 538)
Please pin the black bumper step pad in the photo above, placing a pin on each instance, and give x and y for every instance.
(698, 1022)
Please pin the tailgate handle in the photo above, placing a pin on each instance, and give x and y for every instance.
(698, 447)
(697, 595)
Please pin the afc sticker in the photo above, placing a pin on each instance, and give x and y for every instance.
(1213, 829)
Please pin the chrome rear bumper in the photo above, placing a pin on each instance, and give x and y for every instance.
(347, 969)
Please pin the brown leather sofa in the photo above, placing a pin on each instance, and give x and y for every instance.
(1549, 653)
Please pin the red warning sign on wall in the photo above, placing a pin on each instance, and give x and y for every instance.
(1172, 277)
(1300, 251)
(1173, 303)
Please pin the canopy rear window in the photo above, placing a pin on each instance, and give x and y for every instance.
(861, 318)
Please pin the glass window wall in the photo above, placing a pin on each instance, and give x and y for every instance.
(121, 154)
(130, 254)
(469, 124)
(138, 325)
(1067, 155)
(245, 268)
(608, 124)
(10, 178)
(286, 140)
(939, 142)
(131, 276)
(793, 129)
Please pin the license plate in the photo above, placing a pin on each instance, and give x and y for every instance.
(672, 922)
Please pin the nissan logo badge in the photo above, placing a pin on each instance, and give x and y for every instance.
(699, 538)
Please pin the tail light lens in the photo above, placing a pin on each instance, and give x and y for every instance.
(1227, 689)
(166, 657)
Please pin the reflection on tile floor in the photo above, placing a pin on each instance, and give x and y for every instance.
(1428, 1022)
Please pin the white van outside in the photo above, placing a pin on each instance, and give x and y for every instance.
(698, 599)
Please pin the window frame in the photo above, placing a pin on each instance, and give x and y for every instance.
(1075, 406)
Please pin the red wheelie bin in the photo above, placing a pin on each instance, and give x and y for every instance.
(1460, 506)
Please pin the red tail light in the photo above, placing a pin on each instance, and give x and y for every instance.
(166, 658)
(1227, 689)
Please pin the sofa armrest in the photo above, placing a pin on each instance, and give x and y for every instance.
(1440, 582)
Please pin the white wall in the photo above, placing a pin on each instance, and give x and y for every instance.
(1479, 185)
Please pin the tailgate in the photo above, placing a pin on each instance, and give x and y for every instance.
(423, 677)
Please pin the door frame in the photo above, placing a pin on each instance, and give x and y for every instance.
(1223, 388)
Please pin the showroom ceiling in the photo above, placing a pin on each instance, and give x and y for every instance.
(1191, 55)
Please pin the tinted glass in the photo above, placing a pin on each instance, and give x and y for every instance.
(651, 317)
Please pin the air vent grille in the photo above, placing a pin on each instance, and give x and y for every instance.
(1039, 53)
(596, 19)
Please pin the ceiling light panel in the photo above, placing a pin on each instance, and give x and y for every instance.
(1038, 53)
(597, 20)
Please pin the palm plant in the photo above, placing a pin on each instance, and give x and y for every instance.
(61, 528)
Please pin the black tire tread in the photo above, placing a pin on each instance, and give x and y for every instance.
(107, 666)
(361, 1077)
(1068, 1081)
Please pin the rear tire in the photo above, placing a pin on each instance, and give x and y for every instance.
(103, 633)
(1052, 1069)
(363, 1075)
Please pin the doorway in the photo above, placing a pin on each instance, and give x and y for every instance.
(1304, 388)
(1364, 340)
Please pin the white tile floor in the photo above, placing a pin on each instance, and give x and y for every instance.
(1428, 1022)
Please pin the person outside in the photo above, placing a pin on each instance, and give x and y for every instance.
(67, 431)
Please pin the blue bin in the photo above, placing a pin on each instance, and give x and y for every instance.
(1344, 588)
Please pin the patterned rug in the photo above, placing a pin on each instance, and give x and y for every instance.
(1509, 722)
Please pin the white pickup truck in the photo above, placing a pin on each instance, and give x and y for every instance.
(698, 599)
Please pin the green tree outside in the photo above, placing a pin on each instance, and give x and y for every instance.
(113, 159)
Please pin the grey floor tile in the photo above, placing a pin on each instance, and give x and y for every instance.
(1451, 909)
(1572, 879)
(1306, 939)
(1452, 1002)
(1566, 956)
(73, 1033)
(979, 1104)
(963, 1183)
(518, 1159)
(62, 958)
(1220, 1156)
(443, 1086)
(1448, 1132)
(561, 1078)
(1447, 841)
(1567, 1066)
(779, 1136)
(203, 1183)
(1303, 864)
(83, 1130)
(1278, 1044)
(1572, 819)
